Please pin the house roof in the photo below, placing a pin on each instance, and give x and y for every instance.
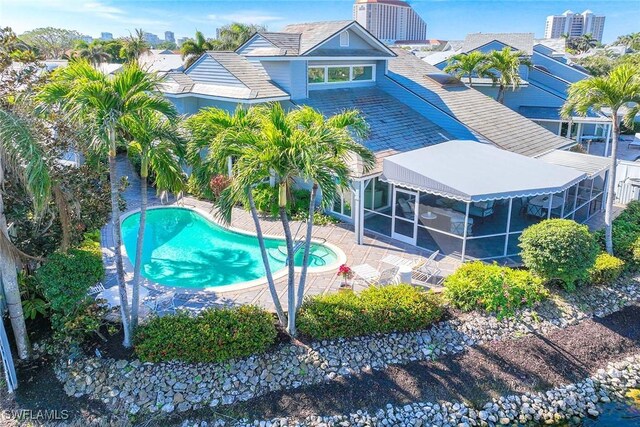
(519, 41)
(313, 33)
(491, 120)
(587, 163)
(472, 171)
(288, 43)
(394, 127)
(161, 61)
(257, 83)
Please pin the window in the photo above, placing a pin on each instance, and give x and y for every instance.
(338, 74)
(344, 39)
(316, 75)
(363, 73)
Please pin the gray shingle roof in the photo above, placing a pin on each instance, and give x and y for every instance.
(519, 41)
(394, 127)
(484, 116)
(288, 43)
(256, 81)
(314, 33)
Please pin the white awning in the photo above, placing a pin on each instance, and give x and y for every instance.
(588, 163)
(472, 171)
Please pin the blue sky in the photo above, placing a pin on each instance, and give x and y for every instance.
(446, 19)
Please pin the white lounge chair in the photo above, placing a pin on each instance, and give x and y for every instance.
(96, 289)
(370, 275)
(162, 303)
(424, 272)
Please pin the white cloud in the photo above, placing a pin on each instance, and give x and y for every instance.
(246, 16)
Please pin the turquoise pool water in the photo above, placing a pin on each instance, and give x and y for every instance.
(184, 249)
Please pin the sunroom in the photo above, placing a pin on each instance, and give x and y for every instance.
(472, 200)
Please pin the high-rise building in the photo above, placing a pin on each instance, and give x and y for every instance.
(169, 36)
(106, 36)
(86, 39)
(151, 38)
(574, 25)
(181, 40)
(390, 20)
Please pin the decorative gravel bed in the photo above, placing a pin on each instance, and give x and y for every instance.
(133, 387)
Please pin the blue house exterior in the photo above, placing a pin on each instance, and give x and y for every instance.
(410, 106)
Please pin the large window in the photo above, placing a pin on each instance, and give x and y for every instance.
(340, 74)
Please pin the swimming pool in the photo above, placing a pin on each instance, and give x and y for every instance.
(184, 249)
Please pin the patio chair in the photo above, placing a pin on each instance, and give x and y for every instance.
(371, 276)
(427, 270)
(96, 289)
(407, 209)
(162, 304)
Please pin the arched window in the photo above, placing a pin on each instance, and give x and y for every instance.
(344, 39)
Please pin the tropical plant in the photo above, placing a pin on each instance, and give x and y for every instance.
(582, 44)
(472, 64)
(233, 35)
(95, 54)
(134, 46)
(50, 42)
(506, 64)
(160, 147)
(104, 106)
(20, 153)
(631, 41)
(621, 87)
(192, 49)
(267, 142)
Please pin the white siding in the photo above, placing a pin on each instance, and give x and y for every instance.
(208, 70)
(257, 42)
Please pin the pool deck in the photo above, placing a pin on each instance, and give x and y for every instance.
(374, 249)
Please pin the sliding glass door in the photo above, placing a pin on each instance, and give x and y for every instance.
(405, 214)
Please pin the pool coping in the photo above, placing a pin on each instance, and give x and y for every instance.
(341, 256)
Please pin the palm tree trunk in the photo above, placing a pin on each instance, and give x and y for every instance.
(117, 238)
(307, 246)
(500, 97)
(265, 260)
(291, 292)
(135, 298)
(470, 81)
(608, 212)
(9, 279)
(64, 215)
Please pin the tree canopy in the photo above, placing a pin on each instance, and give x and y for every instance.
(50, 42)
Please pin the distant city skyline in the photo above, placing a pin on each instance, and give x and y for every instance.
(446, 19)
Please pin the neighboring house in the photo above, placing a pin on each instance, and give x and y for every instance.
(456, 171)
(161, 61)
(543, 87)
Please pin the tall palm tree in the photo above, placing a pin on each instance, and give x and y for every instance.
(134, 45)
(103, 105)
(20, 153)
(192, 49)
(620, 88)
(328, 164)
(506, 64)
(95, 54)
(469, 65)
(631, 41)
(224, 136)
(161, 148)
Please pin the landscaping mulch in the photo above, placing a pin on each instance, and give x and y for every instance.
(529, 363)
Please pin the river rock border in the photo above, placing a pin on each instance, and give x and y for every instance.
(569, 403)
(133, 387)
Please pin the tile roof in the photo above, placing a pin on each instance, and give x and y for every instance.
(257, 83)
(519, 41)
(394, 127)
(491, 120)
(314, 33)
(288, 43)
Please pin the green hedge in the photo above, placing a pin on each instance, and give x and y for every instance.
(626, 235)
(396, 308)
(65, 280)
(214, 335)
(559, 249)
(606, 269)
(492, 288)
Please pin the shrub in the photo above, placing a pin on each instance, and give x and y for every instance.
(395, 308)
(559, 249)
(214, 335)
(606, 269)
(625, 235)
(492, 288)
(65, 280)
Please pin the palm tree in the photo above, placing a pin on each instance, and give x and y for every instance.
(631, 41)
(232, 36)
(585, 42)
(192, 49)
(469, 65)
(20, 152)
(160, 147)
(95, 54)
(104, 105)
(134, 46)
(620, 88)
(506, 64)
(224, 136)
